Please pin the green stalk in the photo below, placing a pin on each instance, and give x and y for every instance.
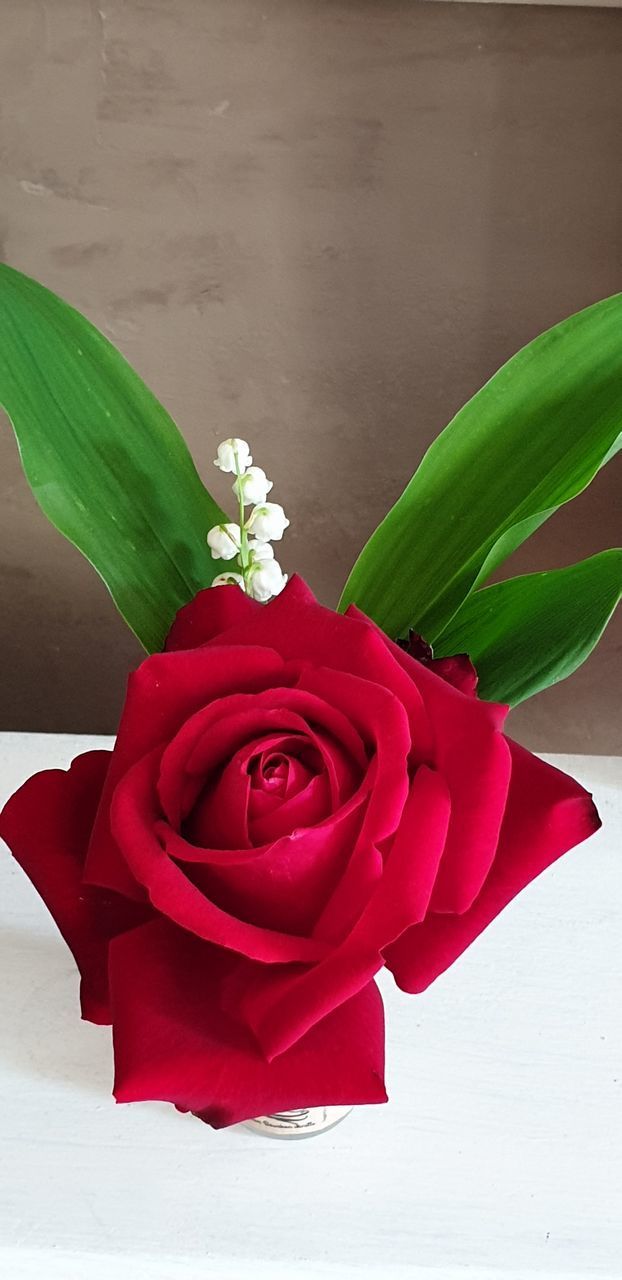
(244, 556)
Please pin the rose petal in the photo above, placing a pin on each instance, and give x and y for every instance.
(473, 756)
(282, 1008)
(414, 857)
(220, 815)
(547, 813)
(173, 1042)
(306, 808)
(382, 723)
(458, 671)
(239, 809)
(303, 630)
(233, 798)
(351, 894)
(211, 612)
(283, 709)
(164, 691)
(230, 729)
(47, 824)
(283, 885)
(134, 817)
(211, 736)
(415, 645)
(283, 770)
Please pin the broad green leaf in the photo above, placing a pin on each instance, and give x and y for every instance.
(530, 632)
(529, 441)
(103, 458)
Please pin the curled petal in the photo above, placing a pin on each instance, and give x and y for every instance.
(134, 822)
(304, 631)
(214, 734)
(547, 813)
(47, 824)
(282, 885)
(210, 613)
(174, 1042)
(473, 756)
(282, 1008)
(161, 694)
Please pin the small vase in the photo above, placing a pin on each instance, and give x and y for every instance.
(306, 1122)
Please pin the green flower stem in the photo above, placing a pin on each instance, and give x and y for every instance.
(244, 555)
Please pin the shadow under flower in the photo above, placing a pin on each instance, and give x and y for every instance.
(42, 1032)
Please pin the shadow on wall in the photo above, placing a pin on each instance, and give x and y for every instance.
(66, 652)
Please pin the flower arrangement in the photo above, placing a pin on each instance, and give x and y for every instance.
(298, 797)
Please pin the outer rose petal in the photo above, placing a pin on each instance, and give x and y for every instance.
(457, 670)
(472, 754)
(174, 1043)
(381, 720)
(547, 814)
(301, 630)
(218, 610)
(47, 824)
(208, 614)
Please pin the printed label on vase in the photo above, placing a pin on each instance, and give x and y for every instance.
(301, 1123)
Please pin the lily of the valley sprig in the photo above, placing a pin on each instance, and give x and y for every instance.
(249, 541)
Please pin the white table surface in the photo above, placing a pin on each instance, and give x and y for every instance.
(499, 1156)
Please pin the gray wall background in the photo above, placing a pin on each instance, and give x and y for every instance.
(317, 225)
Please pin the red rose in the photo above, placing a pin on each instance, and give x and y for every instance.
(292, 802)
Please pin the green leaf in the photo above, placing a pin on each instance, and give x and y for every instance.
(103, 458)
(529, 441)
(530, 632)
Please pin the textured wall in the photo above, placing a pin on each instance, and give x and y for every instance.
(318, 225)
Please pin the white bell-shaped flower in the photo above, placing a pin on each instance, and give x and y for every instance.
(224, 541)
(265, 579)
(253, 486)
(229, 580)
(267, 522)
(260, 550)
(227, 453)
